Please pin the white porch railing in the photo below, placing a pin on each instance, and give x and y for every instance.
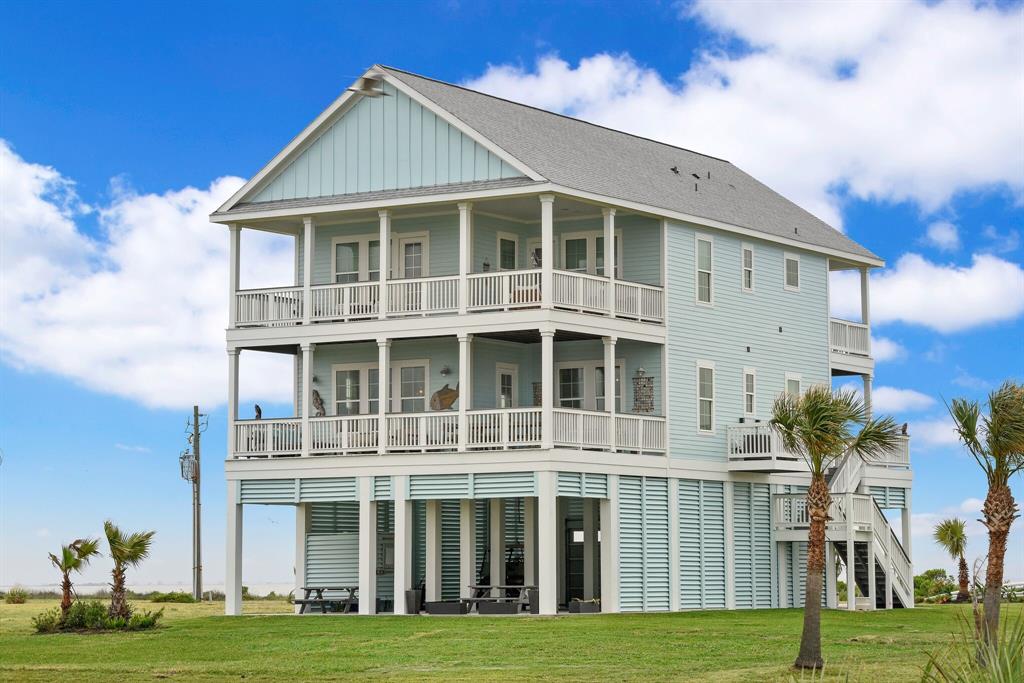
(423, 431)
(268, 438)
(849, 337)
(345, 301)
(758, 443)
(268, 307)
(343, 434)
(422, 296)
(581, 428)
(898, 458)
(580, 291)
(640, 433)
(635, 300)
(505, 289)
(504, 428)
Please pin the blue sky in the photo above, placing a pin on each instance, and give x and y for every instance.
(123, 125)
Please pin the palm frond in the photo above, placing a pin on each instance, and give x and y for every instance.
(129, 549)
(876, 438)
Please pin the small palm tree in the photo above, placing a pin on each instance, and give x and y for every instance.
(820, 427)
(951, 534)
(996, 441)
(127, 550)
(73, 558)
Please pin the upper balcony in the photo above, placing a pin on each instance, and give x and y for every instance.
(850, 340)
(462, 259)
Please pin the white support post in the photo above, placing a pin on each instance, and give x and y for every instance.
(730, 548)
(403, 540)
(307, 392)
(589, 548)
(530, 541)
(888, 585)
(547, 395)
(465, 388)
(367, 547)
(383, 392)
(233, 544)
(234, 252)
(301, 529)
(307, 270)
(674, 600)
(865, 297)
(831, 586)
(609, 508)
(465, 253)
(547, 241)
(432, 573)
(610, 372)
(867, 393)
(851, 557)
(497, 543)
(232, 399)
(547, 541)
(385, 262)
(610, 256)
(905, 538)
(872, 596)
(467, 547)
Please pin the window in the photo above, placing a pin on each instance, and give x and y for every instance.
(412, 389)
(346, 262)
(793, 384)
(747, 281)
(507, 385)
(412, 259)
(570, 387)
(373, 390)
(583, 252)
(346, 392)
(705, 398)
(704, 271)
(355, 259)
(599, 257)
(792, 272)
(576, 255)
(508, 248)
(749, 393)
(599, 403)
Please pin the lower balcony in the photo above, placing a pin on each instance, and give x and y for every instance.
(758, 448)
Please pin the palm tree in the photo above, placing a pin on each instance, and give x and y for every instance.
(996, 441)
(951, 534)
(819, 426)
(127, 550)
(73, 558)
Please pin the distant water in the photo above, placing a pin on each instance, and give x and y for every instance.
(90, 588)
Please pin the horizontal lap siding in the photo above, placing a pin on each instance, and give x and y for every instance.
(487, 353)
(701, 544)
(752, 545)
(721, 333)
(385, 143)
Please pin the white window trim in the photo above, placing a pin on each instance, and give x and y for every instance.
(701, 364)
(397, 262)
(749, 371)
(396, 383)
(697, 238)
(753, 279)
(511, 237)
(509, 369)
(591, 237)
(792, 376)
(364, 385)
(364, 255)
(589, 368)
(785, 282)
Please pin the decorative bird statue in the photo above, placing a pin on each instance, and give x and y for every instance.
(444, 397)
(259, 411)
(904, 430)
(318, 404)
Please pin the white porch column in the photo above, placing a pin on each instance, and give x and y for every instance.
(467, 547)
(547, 400)
(547, 245)
(233, 544)
(589, 548)
(465, 388)
(432, 573)
(383, 392)
(674, 599)
(609, 255)
(865, 296)
(403, 540)
(497, 543)
(610, 372)
(301, 529)
(867, 393)
(232, 399)
(307, 270)
(831, 588)
(610, 547)
(465, 253)
(871, 574)
(730, 548)
(851, 556)
(547, 541)
(905, 538)
(367, 547)
(234, 251)
(530, 541)
(385, 262)
(888, 587)
(307, 392)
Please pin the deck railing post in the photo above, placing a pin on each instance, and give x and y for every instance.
(547, 240)
(610, 255)
(385, 262)
(307, 269)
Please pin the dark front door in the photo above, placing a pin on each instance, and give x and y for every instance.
(573, 564)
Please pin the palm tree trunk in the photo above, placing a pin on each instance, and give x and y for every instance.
(963, 595)
(999, 511)
(818, 502)
(118, 605)
(65, 598)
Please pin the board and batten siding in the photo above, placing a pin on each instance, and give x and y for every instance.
(722, 332)
(384, 143)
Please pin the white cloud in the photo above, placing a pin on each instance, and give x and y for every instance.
(942, 235)
(140, 311)
(934, 432)
(892, 399)
(968, 381)
(946, 298)
(881, 100)
(130, 448)
(884, 349)
(971, 505)
(1002, 242)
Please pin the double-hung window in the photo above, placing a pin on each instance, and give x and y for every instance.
(705, 398)
(508, 249)
(792, 272)
(570, 387)
(704, 270)
(749, 393)
(583, 252)
(355, 259)
(747, 269)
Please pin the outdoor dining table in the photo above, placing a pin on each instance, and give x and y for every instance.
(503, 589)
(319, 590)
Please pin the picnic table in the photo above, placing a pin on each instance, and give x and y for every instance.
(483, 593)
(345, 604)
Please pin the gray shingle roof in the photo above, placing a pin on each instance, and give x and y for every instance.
(591, 158)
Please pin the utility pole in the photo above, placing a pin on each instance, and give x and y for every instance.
(190, 472)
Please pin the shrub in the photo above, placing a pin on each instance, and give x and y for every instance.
(48, 621)
(16, 596)
(971, 659)
(173, 596)
(86, 616)
(93, 615)
(141, 621)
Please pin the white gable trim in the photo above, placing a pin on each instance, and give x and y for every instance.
(335, 111)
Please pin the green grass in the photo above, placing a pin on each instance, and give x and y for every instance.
(196, 643)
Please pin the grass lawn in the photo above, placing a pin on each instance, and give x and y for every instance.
(197, 643)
